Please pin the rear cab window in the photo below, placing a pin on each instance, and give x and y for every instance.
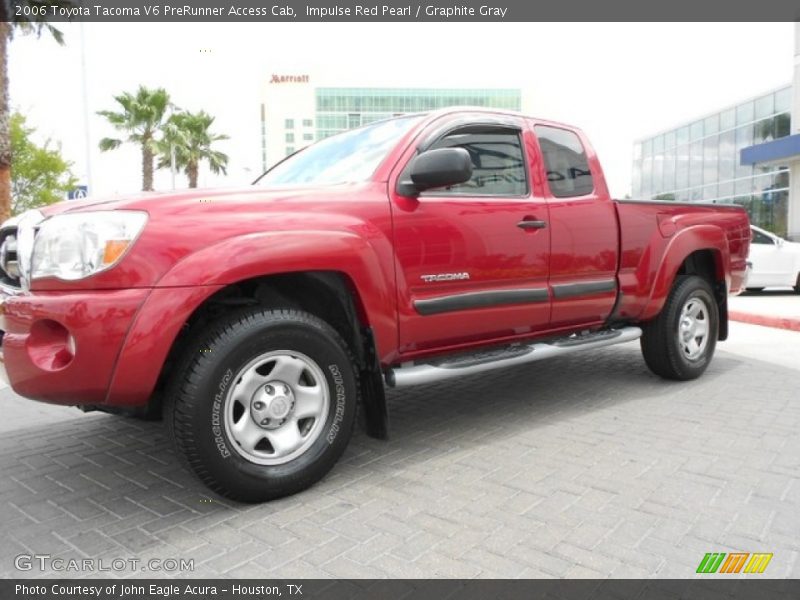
(565, 162)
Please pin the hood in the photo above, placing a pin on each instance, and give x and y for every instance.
(207, 200)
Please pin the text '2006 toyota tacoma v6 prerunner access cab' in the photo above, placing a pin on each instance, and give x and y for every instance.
(409, 251)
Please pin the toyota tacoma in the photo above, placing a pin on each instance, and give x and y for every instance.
(259, 321)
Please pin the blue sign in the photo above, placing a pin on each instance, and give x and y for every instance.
(78, 193)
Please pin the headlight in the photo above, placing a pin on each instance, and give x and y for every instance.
(75, 245)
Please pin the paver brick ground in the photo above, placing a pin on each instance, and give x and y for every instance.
(587, 466)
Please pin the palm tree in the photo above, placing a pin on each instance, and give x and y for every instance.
(142, 117)
(188, 136)
(24, 24)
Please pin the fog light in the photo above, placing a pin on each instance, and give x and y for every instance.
(50, 346)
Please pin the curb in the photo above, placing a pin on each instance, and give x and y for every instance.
(777, 322)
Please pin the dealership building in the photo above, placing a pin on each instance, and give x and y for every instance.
(747, 153)
(300, 108)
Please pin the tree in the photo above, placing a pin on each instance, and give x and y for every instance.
(141, 118)
(39, 175)
(32, 21)
(189, 136)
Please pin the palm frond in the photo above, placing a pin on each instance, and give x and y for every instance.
(107, 144)
(37, 23)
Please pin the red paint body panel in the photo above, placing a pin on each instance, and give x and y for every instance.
(98, 322)
(125, 320)
(650, 259)
(149, 339)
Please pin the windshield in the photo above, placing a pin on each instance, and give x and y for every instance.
(343, 158)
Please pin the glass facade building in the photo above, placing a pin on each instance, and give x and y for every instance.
(699, 161)
(339, 109)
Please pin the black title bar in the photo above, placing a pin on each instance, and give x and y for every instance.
(221, 11)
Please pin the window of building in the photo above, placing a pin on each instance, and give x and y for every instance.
(658, 173)
(568, 172)
(783, 100)
(743, 186)
(696, 164)
(711, 124)
(498, 164)
(289, 124)
(308, 137)
(710, 158)
(745, 113)
(710, 192)
(289, 150)
(782, 125)
(696, 130)
(308, 123)
(727, 155)
(668, 182)
(636, 180)
(290, 137)
(682, 167)
(764, 131)
(682, 135)
(744, 138)
(765, 106)
(727, 119)
(647, 176)
(658, 145)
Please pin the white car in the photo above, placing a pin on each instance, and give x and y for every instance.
(776, 262)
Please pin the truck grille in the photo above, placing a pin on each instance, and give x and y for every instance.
(16, 248)
(9, 260)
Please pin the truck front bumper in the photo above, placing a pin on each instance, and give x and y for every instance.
(63, 347)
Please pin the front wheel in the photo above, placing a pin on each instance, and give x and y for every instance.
(679, 343)
(264, 403)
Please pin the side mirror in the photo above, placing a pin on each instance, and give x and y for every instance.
(779, 241)
(436, 168)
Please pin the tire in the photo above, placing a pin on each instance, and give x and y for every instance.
(668, 347)
(797, 284)
(244, 431)
(758, 289)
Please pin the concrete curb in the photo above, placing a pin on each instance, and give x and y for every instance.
(767, 321)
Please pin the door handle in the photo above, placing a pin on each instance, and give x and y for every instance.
(531, 224)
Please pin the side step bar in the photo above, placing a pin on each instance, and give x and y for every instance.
(509, 356)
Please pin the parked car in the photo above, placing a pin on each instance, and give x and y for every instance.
(775, 261)
(413, 250)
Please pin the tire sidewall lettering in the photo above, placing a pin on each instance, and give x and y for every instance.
(340, 393)
(217, 427)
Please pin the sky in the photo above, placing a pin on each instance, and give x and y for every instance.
(618, 82)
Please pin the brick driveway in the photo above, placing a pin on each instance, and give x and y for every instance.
(583, 467)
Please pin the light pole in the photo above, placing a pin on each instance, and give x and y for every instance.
(85, 94)
(172, 163)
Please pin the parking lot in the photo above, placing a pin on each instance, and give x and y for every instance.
(583, 467)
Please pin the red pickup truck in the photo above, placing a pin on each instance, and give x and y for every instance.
(416, 249)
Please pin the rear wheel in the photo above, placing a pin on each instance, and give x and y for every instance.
(679, 343)
(264, 404)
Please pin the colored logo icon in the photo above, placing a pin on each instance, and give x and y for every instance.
(735, 562)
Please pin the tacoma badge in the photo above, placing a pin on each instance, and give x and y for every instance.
(444, 277)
